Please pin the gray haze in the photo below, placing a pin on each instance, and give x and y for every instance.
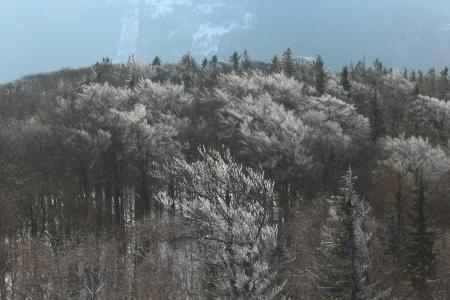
(45, 35)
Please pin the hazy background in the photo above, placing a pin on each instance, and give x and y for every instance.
(44, 35)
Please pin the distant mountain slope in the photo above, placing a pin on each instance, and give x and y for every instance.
(50, 34)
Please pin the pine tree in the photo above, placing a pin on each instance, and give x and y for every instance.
(443, 85)
(413, 76)
(246, 62)
(345, 81)
(376, 115)
(419, 87)
(345, 245)
(378, 65)
(188, 63)
(405, 73)
(275, 65)
(156, 62)
(421, 236)
(132, 81)
(234, 60)
(320, 76)
(131, 59)
(430, 83)
(288, 63)
(204, 63)
(213, 62)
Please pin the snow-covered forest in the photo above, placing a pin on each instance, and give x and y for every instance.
(234, 179)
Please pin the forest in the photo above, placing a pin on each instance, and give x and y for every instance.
(233, 179)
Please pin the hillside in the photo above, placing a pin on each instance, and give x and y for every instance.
(237, 179)
(50, 34)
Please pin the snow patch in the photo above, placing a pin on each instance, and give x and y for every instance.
(129, 33)
(207, 37)
(162, 8)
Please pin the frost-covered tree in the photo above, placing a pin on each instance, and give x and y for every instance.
(345, 245)
(337, 123)
(430, 117)
(262, 133)
(283, 90)
(352, 123)
(101, 112)
(158, 136)
(327, 144)
(227, 204)
(424, 167)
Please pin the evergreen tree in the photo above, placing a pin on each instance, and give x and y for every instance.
(413, 76)
(156, 62)
(234, 60)
(204, 63)
(106, 60)
(288, 63)
(376, 115)
(213, 62)
(188, 71)
(378, 65)
(345, 81)
(421, 236)
(443, 86)
(275, 65)
(430, 83)
(131, 59)
(421, 77)
(360, 66)
(246, 62)
(405, 73)
(419, 86)
(132, 81)
(345, 245)
(188, 63)
(320, 76)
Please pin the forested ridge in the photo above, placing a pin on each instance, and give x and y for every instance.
(234, 179)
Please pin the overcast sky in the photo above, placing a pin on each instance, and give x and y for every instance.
(45, 35)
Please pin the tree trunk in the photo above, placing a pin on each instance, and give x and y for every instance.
(118, 212)
(99, 206)
(3, 259)
(141, 200)
(108, 202)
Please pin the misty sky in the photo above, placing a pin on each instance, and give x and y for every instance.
(45, 35)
